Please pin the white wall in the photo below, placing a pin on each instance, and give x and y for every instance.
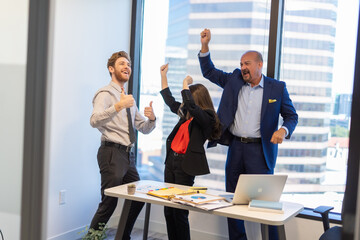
(84, 34)
(13, 43)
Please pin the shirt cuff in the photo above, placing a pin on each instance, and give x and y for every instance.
(286, 130)
(112, 110)
(204, 54)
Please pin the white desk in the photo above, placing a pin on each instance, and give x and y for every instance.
(235, 211)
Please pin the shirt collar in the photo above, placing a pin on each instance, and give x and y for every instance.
(116, 86)
(261, 83)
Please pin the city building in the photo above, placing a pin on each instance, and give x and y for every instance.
(306, 67)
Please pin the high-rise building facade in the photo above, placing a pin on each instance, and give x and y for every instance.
(306, 67)
(343, 105)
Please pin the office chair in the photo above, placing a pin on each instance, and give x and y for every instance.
(333, 233)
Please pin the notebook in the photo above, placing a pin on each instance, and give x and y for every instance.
(166, 192)
(260, 187)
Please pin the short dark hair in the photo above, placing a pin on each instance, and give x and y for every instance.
(115, 56)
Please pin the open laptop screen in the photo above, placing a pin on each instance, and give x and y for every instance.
(260, 187)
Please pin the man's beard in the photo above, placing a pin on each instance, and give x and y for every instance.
(249, 77)
(119, 77)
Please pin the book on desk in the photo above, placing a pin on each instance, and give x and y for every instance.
(265, 206)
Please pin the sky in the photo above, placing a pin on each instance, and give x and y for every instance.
(346, 34)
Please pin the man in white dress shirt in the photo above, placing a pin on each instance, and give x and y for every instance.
(116, 116)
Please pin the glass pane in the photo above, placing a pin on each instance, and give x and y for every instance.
(236, 26)
(318, 54)
(13, 48)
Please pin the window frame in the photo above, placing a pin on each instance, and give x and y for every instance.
(273, 69)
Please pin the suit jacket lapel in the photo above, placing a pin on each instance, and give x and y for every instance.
(237, 91)
(266, 96)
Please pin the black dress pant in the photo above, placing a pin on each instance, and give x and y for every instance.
(177, 222)
(116, 167)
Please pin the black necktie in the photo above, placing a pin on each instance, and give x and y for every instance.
(131, 128)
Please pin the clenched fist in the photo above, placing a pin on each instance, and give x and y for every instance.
(205, 37)
(163, 69)
(278, 136)
(187, 81)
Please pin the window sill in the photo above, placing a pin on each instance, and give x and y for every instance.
(308, 213)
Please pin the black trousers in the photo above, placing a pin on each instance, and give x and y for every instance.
(177, 222)
(116, 167)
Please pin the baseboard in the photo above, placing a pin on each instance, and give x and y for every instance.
(74, 234)
(154, 226)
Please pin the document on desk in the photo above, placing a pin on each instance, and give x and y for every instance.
(201, 200)
(146, 188)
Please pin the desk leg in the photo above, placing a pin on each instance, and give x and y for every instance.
(281, 232)
(265, 231)
(146, 223)
(123, 218)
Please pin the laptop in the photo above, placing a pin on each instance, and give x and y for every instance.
(260, 187)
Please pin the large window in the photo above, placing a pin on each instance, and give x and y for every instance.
(315, 157)
(318, 66)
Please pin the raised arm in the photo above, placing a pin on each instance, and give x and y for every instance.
(208, 69)
(205, 118)
(165, 91)
(163, 72)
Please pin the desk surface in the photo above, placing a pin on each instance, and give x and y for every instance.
(235, 211)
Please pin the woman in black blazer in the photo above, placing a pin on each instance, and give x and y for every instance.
(185, 153)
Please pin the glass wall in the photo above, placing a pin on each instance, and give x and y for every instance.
(315, 157)
(318, 66)
(13, 49)
(236, 27)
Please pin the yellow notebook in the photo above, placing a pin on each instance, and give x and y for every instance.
(166, 193)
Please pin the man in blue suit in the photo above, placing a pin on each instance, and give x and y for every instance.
(249, 112)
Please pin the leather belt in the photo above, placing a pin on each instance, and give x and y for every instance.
(248, 140)
(117, 145)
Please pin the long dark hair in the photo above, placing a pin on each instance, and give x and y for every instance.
(202, 98)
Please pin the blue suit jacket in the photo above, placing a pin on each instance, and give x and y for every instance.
(275, 101)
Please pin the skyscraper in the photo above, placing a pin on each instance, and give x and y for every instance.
(307, 62)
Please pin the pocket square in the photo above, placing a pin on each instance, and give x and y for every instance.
(272, 100)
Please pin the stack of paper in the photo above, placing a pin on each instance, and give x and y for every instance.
(201, 200)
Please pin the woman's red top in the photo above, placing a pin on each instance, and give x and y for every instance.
(181, 139)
